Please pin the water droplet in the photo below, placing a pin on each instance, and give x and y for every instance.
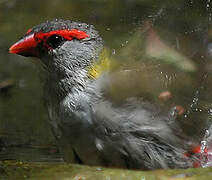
(210, 112)
(173, 112)
(207, 133)
(203, 146)
(99, 145)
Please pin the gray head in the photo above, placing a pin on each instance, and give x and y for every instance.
(61, 44)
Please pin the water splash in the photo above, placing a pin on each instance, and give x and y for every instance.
(208, 9)
(210, 112)
(206, 149)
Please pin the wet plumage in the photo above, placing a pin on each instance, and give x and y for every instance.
(90, 126)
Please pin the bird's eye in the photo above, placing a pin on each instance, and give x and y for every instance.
(54, 41)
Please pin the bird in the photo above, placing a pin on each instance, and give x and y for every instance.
(90, 126)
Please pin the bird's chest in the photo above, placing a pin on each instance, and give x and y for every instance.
(72, 123)
(71, 117)
(54, 120)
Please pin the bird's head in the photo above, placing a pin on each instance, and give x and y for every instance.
(61, 44)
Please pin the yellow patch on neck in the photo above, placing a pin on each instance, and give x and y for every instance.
(103, 65)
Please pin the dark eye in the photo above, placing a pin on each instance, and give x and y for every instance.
(54, 41)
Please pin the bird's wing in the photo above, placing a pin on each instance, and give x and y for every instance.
(136, 116)
(139, 133)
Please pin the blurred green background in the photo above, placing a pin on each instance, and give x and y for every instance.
(183, 27)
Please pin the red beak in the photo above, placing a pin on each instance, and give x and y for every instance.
(25, 47)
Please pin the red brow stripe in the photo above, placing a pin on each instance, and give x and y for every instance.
(65, 33)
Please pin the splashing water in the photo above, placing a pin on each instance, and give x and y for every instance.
(202, 154)
(206, 149)
(208, 9)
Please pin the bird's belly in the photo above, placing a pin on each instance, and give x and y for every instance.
(88, 149)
